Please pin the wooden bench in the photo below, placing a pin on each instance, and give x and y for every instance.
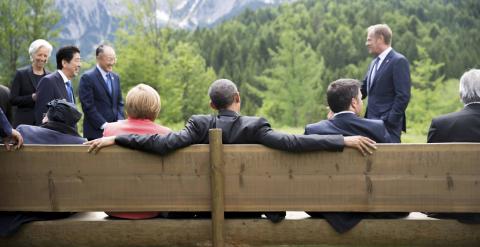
(397, 177)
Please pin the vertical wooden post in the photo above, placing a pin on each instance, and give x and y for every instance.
(217, 183)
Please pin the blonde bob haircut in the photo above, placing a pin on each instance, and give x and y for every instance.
(142, 102)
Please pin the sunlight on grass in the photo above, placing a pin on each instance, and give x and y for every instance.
(406, 137)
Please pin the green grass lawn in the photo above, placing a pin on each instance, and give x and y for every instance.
(406, 137)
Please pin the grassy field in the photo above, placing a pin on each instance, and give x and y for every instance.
(406, 137)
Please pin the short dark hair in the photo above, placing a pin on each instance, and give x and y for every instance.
(66, 53)
(221, 93)
(100, 49)
(340, 94)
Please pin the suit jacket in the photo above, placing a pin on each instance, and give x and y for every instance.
(349, 124)
(99, 106)
(5, 102)
(5, 127)
(23, 86)
(49, 88)
(236, 129)
(461, 126)
(389, 94)
(38, 135)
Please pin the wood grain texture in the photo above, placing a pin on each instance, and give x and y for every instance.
(217, 177)
(397, 177)
(261, 232)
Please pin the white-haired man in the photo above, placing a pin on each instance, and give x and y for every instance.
(460, 126)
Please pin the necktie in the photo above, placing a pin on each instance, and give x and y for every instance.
(70, 92)
(109, 82)
(373, 70)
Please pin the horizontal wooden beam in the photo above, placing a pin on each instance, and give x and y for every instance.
(397, 177)
(161, 232)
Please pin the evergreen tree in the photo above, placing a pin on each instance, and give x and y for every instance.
(21, 22)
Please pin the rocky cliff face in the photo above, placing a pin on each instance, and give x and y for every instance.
(87, 23)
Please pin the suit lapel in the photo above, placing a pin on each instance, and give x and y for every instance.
(61, 85)
(383, 67)
(30, 75)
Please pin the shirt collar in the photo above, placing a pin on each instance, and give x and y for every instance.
(103, 72)
(226, 112)
(384, 54)
(343, 112)
(64, 77)
(471, 103)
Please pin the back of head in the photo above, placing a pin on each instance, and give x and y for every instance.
(221, 93)
(60, 110)
(66, 53)
(470, 86)
(340, 94)
(142, 102)
(382, 30)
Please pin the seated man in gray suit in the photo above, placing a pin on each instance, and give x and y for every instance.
(345, 101)
(236, 129)
(461, 126)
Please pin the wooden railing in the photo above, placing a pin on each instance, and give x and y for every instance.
(217, 178)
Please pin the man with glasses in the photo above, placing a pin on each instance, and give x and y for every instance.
(100, 94)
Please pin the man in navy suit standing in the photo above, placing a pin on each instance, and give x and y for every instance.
(387, 82)
(345, 101)
(58, 85)
(100, 94)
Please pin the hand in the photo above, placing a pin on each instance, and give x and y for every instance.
(16, 138)
(363, 144)
(97, 144)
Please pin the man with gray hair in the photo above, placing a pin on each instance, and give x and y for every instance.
(461, 126)
(464, 125)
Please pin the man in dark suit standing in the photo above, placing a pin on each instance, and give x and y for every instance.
(387, 82)
(58, 85)
(461, 126)
(100, 94)
(345, 101)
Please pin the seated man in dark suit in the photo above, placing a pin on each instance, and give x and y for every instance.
(345, 101)
(58, 128)
(236, 129)
(7, 134)
(461, 126)
(58, 125)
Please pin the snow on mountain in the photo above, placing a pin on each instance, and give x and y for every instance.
(87, 23)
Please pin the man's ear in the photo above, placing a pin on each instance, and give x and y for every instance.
(236, 98)
(354, 104)
(213, 106)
